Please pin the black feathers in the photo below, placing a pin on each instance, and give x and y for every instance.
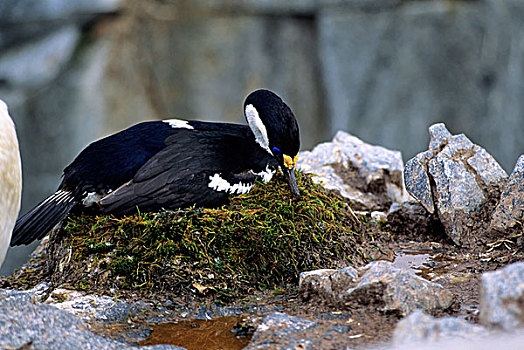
(173, 178)
(36, 223)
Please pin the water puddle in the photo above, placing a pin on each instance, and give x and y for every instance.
(424, 263)
(199, 334)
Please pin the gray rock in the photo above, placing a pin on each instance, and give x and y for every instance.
(502, 297)
(464, 177)
(282, 329)
(495, 341)
(509, 212)
(369, 176)
(381, 284)
(417, 180)
(24, 322)
(316, 282)
(32, 295)
(326, 283)
(422, 328)
(92, 307)
(439, 137)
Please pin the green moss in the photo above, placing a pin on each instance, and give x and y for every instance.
(262, 239)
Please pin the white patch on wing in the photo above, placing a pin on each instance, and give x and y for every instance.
(258, 128)
(61, 196)
(178, 124)
(219, 184)
(266, 175)
(91, 198)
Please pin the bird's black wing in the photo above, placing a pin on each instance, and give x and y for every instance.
(113, 160)
(180, 174)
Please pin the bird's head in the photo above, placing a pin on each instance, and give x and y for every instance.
(276, 130)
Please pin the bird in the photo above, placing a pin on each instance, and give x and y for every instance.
(172, 164)
(10, 179)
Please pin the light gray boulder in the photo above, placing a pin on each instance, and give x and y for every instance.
(419, 331)
(456, 179)
(502, 298)
(509, 212)
(419, 327)
(89, 307)
(25, 323)
(282, 329)
(369, 176)
(379, 283)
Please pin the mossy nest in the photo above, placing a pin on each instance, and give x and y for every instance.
(262, 239)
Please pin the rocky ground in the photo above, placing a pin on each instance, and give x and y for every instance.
(449, 271)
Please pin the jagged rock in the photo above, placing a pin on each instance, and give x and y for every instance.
(381, 284)
(92, 307)
(422, 328)
(369, 176)
(456, 177)
(327, 282)
(509, 212)
(417, 180)
(282, 329)
(502, 297)
(25, 323)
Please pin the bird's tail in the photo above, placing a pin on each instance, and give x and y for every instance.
(37, 222)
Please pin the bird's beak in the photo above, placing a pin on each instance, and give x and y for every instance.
(290, 177)
(289, 172)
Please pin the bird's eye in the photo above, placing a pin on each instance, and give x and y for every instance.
(276, 151)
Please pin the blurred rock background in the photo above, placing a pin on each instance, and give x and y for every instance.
(73, 71)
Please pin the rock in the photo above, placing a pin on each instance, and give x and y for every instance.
(502, 297)
(369, 176)
(509, 212)
(91, 308)
(324, 282)
(495, 341)
(456, 177)
(282, 329)
(380, 283)
(417, 180)
(422, 328)
(25, 323)
(316, 282)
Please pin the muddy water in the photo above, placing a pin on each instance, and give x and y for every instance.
(425, 264)
(199, 334)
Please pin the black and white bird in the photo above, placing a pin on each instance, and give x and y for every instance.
(173, 164)
(10, 179)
